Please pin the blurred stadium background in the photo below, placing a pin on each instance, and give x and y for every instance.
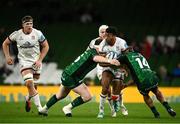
(152, 27)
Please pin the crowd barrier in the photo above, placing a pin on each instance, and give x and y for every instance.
(130, 94)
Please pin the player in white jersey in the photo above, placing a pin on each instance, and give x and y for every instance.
(112, 46)
(30, 56)
(95, 44)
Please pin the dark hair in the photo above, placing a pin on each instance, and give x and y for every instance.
(26, 18)
(112, 30)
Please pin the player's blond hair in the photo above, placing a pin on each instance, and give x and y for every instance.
(102, 27)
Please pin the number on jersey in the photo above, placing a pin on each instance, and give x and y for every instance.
(142, 63)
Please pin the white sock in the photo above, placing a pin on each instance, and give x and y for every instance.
(110, 102)
(37, 102)
(102, 102)
(27, 97)
(69, 106)
(121, 100)
(45, 107)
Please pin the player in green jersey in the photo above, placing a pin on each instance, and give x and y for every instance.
(72, 80)
(145, 79)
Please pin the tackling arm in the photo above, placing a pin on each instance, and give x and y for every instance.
(101, 59)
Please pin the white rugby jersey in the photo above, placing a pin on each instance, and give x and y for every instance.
(28, 44)
(118, 46)
(94, 43)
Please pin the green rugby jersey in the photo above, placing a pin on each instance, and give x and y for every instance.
(82, 65)
(138, 66)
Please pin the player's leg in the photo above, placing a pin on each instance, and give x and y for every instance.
(115, 94)
(110, 103)
(33, 94)
(84, 97)
(117, 97)
(63, 92)
(161, 98)
(117, 88)
(149, 103)
(107, 77)
(36, 77)
(27, 98)
(122, 106)
(109, 98)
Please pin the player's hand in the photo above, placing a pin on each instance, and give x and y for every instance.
(124, 71)
(37, 65)
(9, 60)
(115, 62)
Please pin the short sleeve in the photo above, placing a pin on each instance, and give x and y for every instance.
(41, 37)
(12, 36)
(124, 45)
(91, 45)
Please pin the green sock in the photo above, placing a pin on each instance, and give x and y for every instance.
(51, 101)
(166, 105)
(153, 109)
(76, 102)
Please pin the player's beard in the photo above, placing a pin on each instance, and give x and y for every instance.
(29, 30)
(110, 42)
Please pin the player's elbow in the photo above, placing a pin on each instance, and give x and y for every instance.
(47, 48)
(4, 44)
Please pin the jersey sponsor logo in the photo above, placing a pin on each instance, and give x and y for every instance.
(27, 44)
(112, 55)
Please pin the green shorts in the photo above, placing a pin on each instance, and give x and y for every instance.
(150, 83)
(69, 81)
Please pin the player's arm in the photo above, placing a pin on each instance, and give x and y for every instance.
(106, 65)
(124, 69)
(44, 50)
(5, 47)
(103, 60)
(129, 83)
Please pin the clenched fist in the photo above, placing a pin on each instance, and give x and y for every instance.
(9, 60)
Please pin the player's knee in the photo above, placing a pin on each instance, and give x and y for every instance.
(28, 79)
(105, 90)
(29, 84)
(36, 77)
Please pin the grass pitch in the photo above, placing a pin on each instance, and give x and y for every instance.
(87, 113)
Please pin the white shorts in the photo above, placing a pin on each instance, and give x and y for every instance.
(28, 65)
(118, 74)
